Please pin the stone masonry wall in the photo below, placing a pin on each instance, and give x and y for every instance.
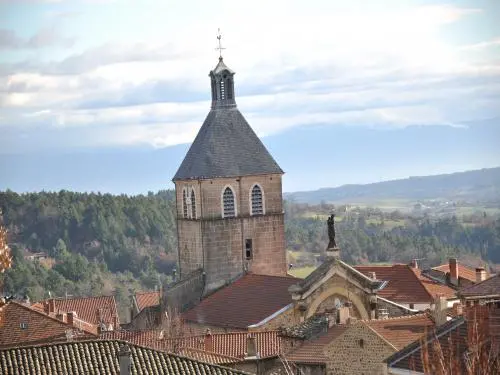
(358, 351)
(217, 244)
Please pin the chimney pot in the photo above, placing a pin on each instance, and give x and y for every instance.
(71, 318)
(208, 341)
(453, 264)
(373, 275)
(414, 264)
(480, 274)
(51, 306)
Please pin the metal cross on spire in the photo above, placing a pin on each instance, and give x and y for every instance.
(220, 48)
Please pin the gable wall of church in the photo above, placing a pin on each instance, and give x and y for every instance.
(337, 286)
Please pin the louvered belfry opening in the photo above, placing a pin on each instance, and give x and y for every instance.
(184, 203)
(257, 201)
(193, 205)
(228, 202)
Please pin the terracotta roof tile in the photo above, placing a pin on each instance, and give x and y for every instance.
(405, 285)
(146, 299)
(233, 344)
(25, 325)
(434, 288)
(87, 308)
(312, 352)
(208, 357)
(402, 331)
(99, 357)
(463, 271)
(488, 287)
(247, 301)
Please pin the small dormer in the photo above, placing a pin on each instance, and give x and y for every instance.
(222, 80)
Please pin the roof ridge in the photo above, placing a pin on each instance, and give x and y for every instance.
(210, 352)
(402, 317)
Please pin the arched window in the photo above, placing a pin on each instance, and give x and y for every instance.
(193, 205)
(229, 207)
(257, 201)
(184, 203)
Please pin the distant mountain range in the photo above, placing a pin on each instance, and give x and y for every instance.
(476, 186)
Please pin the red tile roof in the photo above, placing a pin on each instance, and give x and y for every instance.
(24, 325)
(233, 344)
(207, 357)
(405, 284)
(434, 288)
(463, 271)
(87, 308)
(311, 352)
(146, 299)
(247, 301)
(403, 330)
(488, 287)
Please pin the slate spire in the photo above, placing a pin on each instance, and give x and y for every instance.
(226, 145)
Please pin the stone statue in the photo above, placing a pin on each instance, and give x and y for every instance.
(331, 232)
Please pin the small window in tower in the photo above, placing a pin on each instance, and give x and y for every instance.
(222, 90)
(257, 201)
(184, 203)
(193, 205)
(228, 203)
(248, 249)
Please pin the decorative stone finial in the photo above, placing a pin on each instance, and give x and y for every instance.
(332, 250)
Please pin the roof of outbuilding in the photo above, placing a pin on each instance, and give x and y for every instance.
(488, 287)
(37, 326)
(312, 352)
(402, 331)
(247, 301)
(88, 308)
(406, 285)
(229, 345)
(99, 357)
(463, 271)
(146, 299)
(226, 146)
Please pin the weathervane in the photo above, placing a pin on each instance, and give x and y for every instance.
(220, 48)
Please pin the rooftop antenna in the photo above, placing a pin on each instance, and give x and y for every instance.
(220, 48)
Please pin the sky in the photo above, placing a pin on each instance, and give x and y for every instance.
(131, 78)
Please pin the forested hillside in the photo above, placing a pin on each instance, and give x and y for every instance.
(96, 243)
(102, 244)
(374, 236)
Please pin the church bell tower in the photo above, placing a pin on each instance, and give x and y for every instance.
(229, 196)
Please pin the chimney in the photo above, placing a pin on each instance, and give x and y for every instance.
(71, 317)
(414, 264)
(209, 346)
(125, 356)
(373, 275)
(480, 274)
(50, 306)
(116, 322)
(453, 271)
(439, 313)
(251, 347)
(62, 317)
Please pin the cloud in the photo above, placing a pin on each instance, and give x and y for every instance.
(344, 68)
(45, 37)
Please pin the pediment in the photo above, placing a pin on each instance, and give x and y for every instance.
(334, 268)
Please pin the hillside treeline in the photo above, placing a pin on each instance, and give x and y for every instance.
(368, 235)
(97, 243)
(100, 243)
